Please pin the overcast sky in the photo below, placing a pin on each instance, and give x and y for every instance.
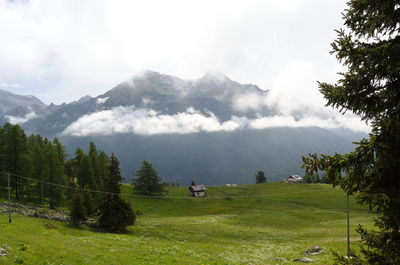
(60, 50)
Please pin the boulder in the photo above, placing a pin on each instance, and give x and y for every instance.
(3, 252)
(314, 250)
(304, 260)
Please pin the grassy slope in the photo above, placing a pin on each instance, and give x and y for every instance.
(284, 223)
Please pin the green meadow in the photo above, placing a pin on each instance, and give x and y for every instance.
(251, 224)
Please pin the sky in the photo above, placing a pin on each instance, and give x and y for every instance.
(62, 50)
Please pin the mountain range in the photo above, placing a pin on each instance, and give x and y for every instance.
(212, 130)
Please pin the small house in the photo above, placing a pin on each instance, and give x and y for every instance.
(197, 190)
(295, 179)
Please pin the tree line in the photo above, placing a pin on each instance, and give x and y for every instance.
(34, 157)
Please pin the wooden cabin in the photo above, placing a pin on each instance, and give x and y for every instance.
(295, 179)
(197, 190)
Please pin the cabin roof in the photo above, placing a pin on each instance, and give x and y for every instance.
(197, 188)
(295, 177)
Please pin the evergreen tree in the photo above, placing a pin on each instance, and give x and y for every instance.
(85, 172)
(193, 183)
(260, 177)
(147, 180)
(78, 211)
(15, 156)
(89, 203)
(115, 214)
(56, 158)
(94, 163)
(370, 50)
(103, 168)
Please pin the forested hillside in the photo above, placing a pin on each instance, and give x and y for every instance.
(37, 167)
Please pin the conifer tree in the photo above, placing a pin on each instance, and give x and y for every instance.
(78, 211)
(15, 159)
(115, 214)
(94, 163)
(147, 180)
(370, 50)
(89, 203)
(260, 177)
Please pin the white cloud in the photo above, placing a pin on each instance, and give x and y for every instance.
(10, 85)
(250, 101)
(20, 120)
(101, 100)
(352, 123)
(146, 121)
(71, 48)
(149, 122)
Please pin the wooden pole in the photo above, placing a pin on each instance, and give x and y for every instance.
(348, 227)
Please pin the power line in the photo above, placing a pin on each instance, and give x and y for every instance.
(158, 196)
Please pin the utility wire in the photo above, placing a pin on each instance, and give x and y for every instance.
(159, 197)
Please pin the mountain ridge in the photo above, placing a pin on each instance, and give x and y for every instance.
(212, 128)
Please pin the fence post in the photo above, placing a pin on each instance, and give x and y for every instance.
(348, 226)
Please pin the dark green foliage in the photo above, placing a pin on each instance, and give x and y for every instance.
(312, 179)
(370, 49)
(85, 172)
(89, 203)
(14, 156)
(78, 210)
(38, 158)
(260, 177)
(115, 214)
(221, 157)
(193, 183)
(90, 169)
(114, 178)
(147, 181)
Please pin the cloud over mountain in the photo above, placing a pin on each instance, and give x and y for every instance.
(150, 122)
(146, 121)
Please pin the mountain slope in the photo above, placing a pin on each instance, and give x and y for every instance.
(212, 129)
(18, 108)
(221, 157)
(213, 93)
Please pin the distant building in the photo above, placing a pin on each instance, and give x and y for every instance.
(231, 185)
(295, 179)
(197, 190)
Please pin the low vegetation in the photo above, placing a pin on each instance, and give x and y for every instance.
(281, 221)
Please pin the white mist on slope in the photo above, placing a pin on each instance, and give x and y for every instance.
(146, 121)
(21, 120)
(149, 122)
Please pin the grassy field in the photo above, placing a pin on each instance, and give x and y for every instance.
(283, 222)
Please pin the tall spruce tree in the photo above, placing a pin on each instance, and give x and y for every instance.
(370, 50)
(147, 180)
(115, 214)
